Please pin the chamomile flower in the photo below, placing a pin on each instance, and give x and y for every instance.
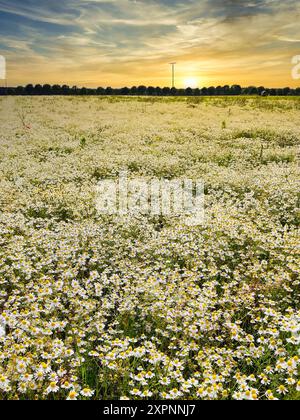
(282, 390)
(52, 388)
(87, 392)
(72, 396)
(136, 392)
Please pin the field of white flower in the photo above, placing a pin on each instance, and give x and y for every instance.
(106, 307)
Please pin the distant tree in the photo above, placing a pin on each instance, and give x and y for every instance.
(261, 89)
(38, 89)
(151, 91)
(56, 90)
(174, 91)
(125, 91)
(19, 90)
(133, 90)
(74, 90)
(29, 89)
(219, 90)
(46, 89)
(211, 91)
(100, 91)
(166, 91)
(189, 91)
(65, 90)
(158, 91)
(252, 90)
(236, 90)
(226, 90)
(141, 90)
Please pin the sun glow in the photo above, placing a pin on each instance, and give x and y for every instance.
(191, 82)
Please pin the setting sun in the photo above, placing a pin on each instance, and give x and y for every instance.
(191, 82)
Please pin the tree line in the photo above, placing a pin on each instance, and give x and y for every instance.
(146, 91)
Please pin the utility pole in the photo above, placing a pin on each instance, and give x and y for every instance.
(3, 72)
(173, 74)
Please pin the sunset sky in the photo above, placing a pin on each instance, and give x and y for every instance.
(127, 42)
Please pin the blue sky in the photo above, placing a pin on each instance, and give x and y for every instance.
(131, 42)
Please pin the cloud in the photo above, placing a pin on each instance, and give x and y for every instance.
(105, 38)
(286, 39)
(40, 11)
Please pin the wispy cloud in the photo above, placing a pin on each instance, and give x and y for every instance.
(132, 41)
